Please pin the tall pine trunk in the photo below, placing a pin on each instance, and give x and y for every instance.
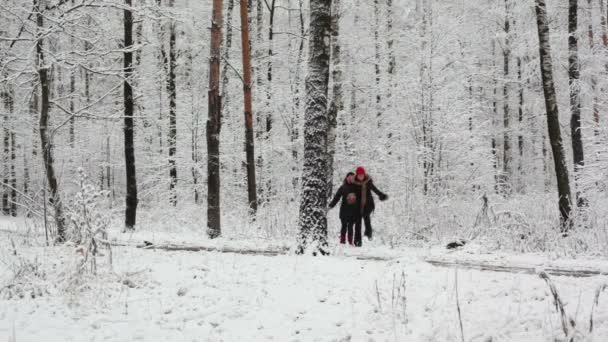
(214, 124)
(575, 97)
(45, 138)
(247, 83)
(128, 129)
(313, 205)
(555, 137)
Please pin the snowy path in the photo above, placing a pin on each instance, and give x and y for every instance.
(207, 296)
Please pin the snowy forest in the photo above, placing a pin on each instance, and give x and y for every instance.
(147, 142)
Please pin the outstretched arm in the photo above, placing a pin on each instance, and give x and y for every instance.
(380, 194)
(336, 198)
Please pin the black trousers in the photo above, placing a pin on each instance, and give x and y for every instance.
(368, 226)
(347, 231)
(368, 229)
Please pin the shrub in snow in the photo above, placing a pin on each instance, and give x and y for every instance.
(88, 223)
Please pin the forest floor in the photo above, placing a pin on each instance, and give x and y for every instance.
(156, 295)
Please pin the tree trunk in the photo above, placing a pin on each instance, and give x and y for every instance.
(214, 123)
(171, 88)
(269, 118)
(520, 138)
(575, 98)
(45, 138)
(494, 118)
(507, 170)
(555, 137)
(313, 205)
(247, 83)
(10, 106)
(131, 196)
(226, 54)
(337, 103)
(604, 24)
(590, 34)
(377, 59)
(6, 139)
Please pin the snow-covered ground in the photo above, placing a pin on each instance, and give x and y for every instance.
(153, 295)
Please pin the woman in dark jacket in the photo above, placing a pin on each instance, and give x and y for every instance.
(365, 186)
(349, 207)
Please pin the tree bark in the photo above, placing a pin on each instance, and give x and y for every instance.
(45, 138)
(313, 205)
(377, 59)
(269, 118)
(128, 129)
(247, 83)
(507, 170)
(555, 137)
(575, 97)
(171, 88)
(337, 103)
(520, 138)
(226, 54)
(6, 139)
(214, 123)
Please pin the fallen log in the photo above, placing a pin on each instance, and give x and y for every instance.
(224, 249)
(484, 266)
(245, 251)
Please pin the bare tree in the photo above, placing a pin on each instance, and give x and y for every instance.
(43, 124)
(214, 124)
(555, 137)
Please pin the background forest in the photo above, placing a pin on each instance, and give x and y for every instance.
(441, 101)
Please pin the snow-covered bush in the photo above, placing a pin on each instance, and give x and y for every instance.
(88, 222)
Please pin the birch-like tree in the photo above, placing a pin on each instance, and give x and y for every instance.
(313, 204)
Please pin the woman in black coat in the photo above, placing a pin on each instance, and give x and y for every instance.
(349, 207)
(365, 186)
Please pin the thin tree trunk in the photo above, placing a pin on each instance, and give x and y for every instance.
(72, 98)
(590, 34)
(269, 118)
(494, 118)
(337, 103)
(10, 106)
(520, 138)
(247, 83)
(377, 58)
(313, 205)
(131, 196)
(557, 145)
(214, 124)
(45, 139)
(575, 98)
(5, 156)
(172, 90)
(507, 170)
(226, 54)
(72, 108)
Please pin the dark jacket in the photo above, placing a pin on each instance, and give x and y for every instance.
(370, 206)
(348, 212)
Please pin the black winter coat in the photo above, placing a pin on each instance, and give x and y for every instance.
(370, 206)
(349, 212)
